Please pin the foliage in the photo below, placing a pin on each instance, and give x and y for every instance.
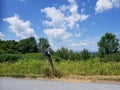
(33, 56)
(27, 45)
(64, 68)
(63, 53)
(8, 58)
(85, 54)
(66, 54)
(8, 46)
(43, 44)
(111, 58)
(108, 44)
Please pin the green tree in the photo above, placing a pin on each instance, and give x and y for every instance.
(62, 52)
(45, 48)
(71, 55)
(43, 45)
(8, 46)
(67, 54)
(27, 45)
(108, 44)
(77, 56)
(85, 54)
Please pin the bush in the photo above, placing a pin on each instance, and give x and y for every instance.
(8, 58)
(111, 57)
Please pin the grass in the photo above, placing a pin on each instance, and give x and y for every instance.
(34, 65)
(90, 67)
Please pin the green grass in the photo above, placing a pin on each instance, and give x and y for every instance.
(90, 67)
(35, 65)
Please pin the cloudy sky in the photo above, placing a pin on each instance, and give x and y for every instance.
(74, 24)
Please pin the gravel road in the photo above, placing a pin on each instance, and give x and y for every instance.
(40, 84)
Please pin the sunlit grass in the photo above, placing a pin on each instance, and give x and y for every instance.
(33, 64)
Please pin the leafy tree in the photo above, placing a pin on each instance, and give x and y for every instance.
(43, 45)
(8, 46)
(85, 54)
(63, 53)
(27, 45)
(71, 55)
(108, 44)
(77, 56)
(66, 54)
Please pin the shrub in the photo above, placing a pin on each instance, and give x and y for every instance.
(8, 58)
(111, 57)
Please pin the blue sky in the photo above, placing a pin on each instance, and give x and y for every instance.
(74, 24)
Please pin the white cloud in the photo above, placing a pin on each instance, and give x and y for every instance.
(60, 20)
(79, 32)
(89, 44)
(1, 35)
(81, 43)
(103, 5)
(66, 16)
(21, 28)
(116, 3)
(78, 35)
(64, 8)
(57, 34)
(56, 16)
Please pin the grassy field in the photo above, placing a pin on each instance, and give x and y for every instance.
(34, 65)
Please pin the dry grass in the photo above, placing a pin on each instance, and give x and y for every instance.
(74, 78)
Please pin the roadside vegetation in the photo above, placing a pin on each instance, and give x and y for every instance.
(36, 65)
(24, 59)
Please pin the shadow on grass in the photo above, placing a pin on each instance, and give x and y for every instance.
(47, 72)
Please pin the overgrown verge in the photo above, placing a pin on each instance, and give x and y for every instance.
(63, 68)
(9, 58)
(33, 65)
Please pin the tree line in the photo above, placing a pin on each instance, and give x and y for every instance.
(108, 47)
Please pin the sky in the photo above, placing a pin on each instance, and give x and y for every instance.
(73, 24)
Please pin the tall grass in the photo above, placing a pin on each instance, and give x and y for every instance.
(35, 64)
(90, 67)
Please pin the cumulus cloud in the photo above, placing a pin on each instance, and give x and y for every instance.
(66, 16)
(62, 19)
(56, 16)
(57, 34)
(81, 43)
(1, 35)
(21, 28)
(90, 44)
(103, 5)
(78, 35)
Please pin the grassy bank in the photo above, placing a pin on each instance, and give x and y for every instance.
(34, 65)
